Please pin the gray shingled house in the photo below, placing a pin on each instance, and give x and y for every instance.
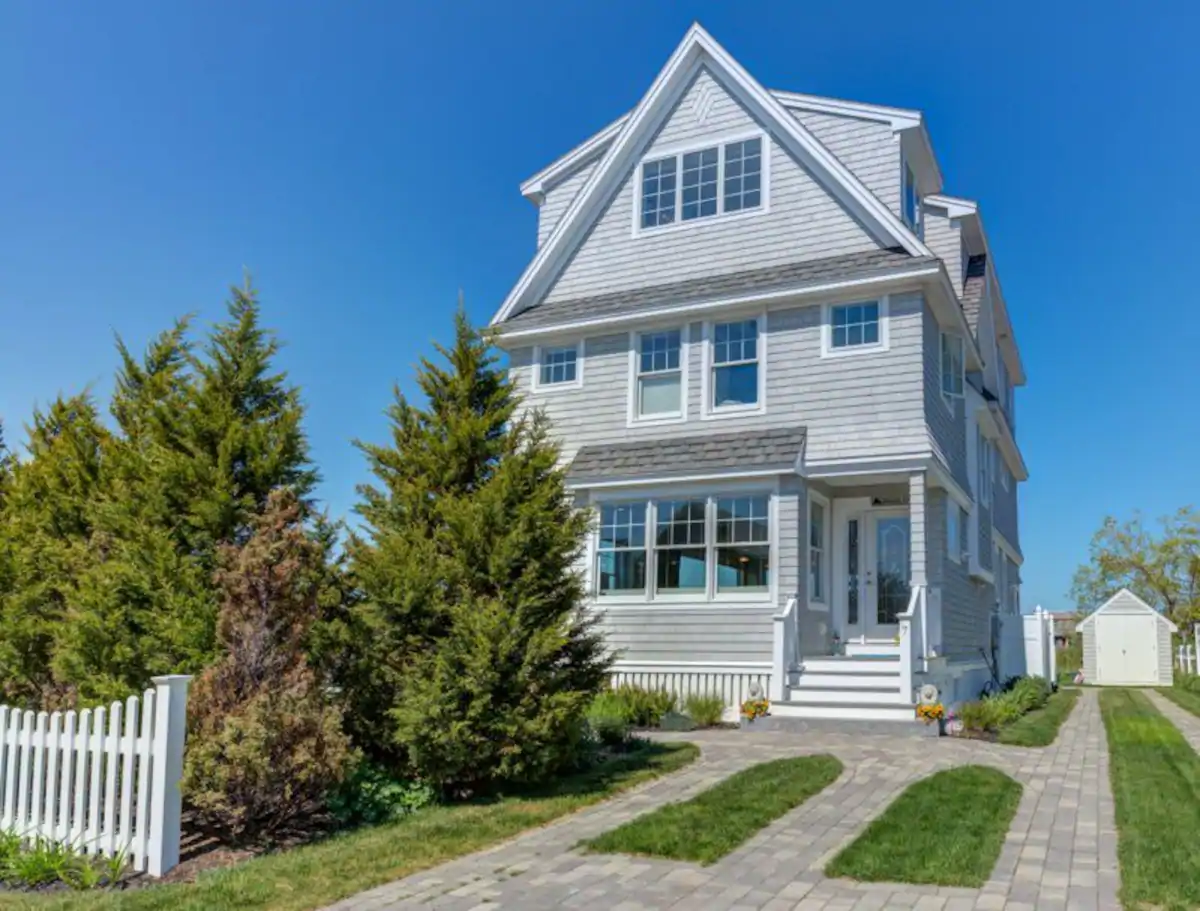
(782, 368)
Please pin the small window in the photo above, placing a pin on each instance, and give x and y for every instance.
(735, 364)
(952, 360)
(1005, 476)
(559, 365)
(854, 325)
(743, 175)
(621, 549)
(954, 526)
(658, 192)
(660, 374)
(983, 455)
(816, 551)
(679, 546)
(911, 200)
(700, 184)
(743, 544)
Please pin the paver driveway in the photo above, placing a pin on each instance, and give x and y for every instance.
(1061, 852)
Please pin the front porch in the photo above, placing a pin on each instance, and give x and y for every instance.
(865, 627)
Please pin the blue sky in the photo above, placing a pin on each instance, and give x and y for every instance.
(362, 159)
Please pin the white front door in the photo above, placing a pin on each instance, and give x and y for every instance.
(872, 566)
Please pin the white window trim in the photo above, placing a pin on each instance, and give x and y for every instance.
(677, 151)
(949, 398)
(708, 364)
(539, 387)
(954, 547)
(905, 167)
(983, 470)
(885, 329)
(685, 355)
(710, 596)
(826, 563)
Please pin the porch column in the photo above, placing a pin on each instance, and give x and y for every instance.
(916, 519)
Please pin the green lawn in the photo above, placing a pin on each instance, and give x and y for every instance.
(1185, 699)
(945, 830)
(319, 874)
(1155, 780)
(1039, 727)
(713, 823)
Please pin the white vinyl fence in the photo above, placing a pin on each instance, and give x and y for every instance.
(1185, 658)
(104, 781)
(1026, 645)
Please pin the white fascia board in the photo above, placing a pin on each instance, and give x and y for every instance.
(700, 48)
(874, 284)
(731, 474)
(954, 206)
(896, 118)
(534, 189)
(946, 307)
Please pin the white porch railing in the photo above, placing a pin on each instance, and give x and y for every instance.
(785, 648)
(104, 781)
(914, 639)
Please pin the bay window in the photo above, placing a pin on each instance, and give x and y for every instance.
(702, 547)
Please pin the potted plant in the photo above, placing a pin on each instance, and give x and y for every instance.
(754, 711)
(932, 713)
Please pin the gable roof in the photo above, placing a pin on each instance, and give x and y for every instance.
(652, 300)
(1126, 598)
(698, 49)
(764, 451)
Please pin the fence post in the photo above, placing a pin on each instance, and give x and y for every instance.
(166, 800)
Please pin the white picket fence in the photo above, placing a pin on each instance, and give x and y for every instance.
(1185, 658)
(104, 781)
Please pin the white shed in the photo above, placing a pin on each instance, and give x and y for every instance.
(1126, 642)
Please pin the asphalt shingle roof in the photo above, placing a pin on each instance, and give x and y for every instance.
(973, 290)
(754, 450)
(698, 290)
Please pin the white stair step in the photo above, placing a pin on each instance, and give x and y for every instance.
(881, 694)
(869, 649)
(862, 711)
(840, 665)
(853, 680)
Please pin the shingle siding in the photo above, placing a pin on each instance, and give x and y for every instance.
(1004, 512)
(943, 236)
(558, 200)
(966, 605)
(947, 424)
(871, 150)
(803, 221)
(858, 406)
(736, 633)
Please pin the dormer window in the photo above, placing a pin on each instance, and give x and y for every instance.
(702, 183)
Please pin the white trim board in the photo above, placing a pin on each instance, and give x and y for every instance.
(697, 50)
(1137, 602)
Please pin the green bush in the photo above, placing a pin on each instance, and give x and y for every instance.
(609, 718)
(371, 796)
(1189, 682)
(989, 714)
(979, 716)
(41, 864)
(1030, 693)
(645, 707)
(706, 709)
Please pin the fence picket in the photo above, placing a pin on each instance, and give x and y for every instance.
(128, 751)
(50, 789)
(83, 742)
(112, 751)
(5, 763)
(38, 761)
(95, 781)
(65, 791)
(141, 841)
(22, 825)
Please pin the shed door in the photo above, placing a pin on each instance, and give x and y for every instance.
(1127, 648)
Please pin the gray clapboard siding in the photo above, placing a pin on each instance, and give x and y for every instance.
(869, 149)
(966, 613)
(943, 236)
(947, 425)
(803, 222)
(864, 405)
(1004, 512)
(985, 536)
(558, 198)
(735, 633)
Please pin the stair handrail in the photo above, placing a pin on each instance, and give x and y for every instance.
(785, 647)
(914, 645)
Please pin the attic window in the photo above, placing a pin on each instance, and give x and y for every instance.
(715, 180)
(911, 200)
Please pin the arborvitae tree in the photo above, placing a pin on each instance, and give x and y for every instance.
(266, 746)
(46, 525)
(474, 646)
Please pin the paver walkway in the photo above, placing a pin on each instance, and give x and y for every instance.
(1188, 724)
(1060, 853)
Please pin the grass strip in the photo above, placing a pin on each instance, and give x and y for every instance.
(1185, 699)
(714, 822)
(1039, 727)
(319, 874)
(1155, 778)
(945, 830)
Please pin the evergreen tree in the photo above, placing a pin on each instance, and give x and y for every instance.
(473, 641)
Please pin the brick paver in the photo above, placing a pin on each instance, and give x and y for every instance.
(1060, 853)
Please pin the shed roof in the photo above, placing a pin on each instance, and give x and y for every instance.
(1126, 599)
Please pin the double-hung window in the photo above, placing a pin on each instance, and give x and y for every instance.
(559, 366)
(953, 361)
(659, 379)
(702, 183)
(621, 549)
(702, 547)
(816, 551)
(735, 365)
(954, 530)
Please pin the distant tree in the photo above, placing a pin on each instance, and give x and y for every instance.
(1160, 565)
(476, 663)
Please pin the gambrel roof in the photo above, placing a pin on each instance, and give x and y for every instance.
(699, 50)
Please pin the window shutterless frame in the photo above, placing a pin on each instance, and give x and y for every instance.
(656, 367)
(548, 360)
(720, 351)
(680, 186)
(840, 320)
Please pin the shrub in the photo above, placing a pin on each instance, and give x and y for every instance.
(371, 795)
(608, 717)
(979, 716)
(645, 707)
(706, 709)
(1030, 693)
(1189, 682)
(265, 749)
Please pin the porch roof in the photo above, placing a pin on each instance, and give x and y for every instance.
(757, 451)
